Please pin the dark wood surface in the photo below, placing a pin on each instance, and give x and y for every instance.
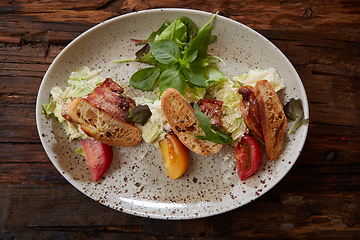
(319, 198)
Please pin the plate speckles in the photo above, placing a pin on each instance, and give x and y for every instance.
(136, 183)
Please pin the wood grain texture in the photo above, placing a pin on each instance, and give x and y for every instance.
(282, 215)
(318, 199)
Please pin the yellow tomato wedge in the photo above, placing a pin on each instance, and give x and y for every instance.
(175, 156)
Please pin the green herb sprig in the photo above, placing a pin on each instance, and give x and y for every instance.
(178, 55)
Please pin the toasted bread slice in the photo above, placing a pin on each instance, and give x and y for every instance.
(182, 119)
(100, 125)
(273, 119)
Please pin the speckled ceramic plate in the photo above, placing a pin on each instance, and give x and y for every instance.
(136, 183)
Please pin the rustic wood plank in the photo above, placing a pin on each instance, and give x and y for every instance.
(282, 218)
(25, 153)
(36, 70)
(37, 33)
(281, 15)
(272, 216)
(31, 173)
(64, 199)
(318, 49)
(30, 53)
(52, 6)
(21, 128)
(19, 89)
(330, 149)
(12, 40)
(319, 198)
(274, 15)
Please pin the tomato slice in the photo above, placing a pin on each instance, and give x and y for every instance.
(248, 157)
(175, 156)
(98, 156)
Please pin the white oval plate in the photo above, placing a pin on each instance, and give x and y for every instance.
(136, 183)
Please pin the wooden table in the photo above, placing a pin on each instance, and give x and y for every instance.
(318, 198)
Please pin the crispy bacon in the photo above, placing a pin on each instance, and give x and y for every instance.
(212, 109)
(250, 110)
(108, 98)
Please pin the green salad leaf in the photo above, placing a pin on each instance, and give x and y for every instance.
(195, 75)
(140, 114)
(165, 51)
(153, 35)
(212, 132)
(172, 78)
(178, 55)
(294, 111)
(199, 44)
(190, 27)
(80, 151)
(145, 78)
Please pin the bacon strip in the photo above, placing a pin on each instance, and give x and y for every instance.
(250, 110)
(212, 109)
(108, 98)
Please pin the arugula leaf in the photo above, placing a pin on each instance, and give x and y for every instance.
(145, 78)
(212, 132)
(294, 111)
(165, 51)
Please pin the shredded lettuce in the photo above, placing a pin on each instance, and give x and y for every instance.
(232, 123)
(255, 75)
(152, 130)
(81, 82)
(193, 94)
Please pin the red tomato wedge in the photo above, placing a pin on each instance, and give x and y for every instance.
(248, 157)
(98, 156)
(175, 156)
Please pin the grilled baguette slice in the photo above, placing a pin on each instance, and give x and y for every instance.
(181, 117)
(273, 119)
(100, 125)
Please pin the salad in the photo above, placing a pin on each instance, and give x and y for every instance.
(176, 57)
